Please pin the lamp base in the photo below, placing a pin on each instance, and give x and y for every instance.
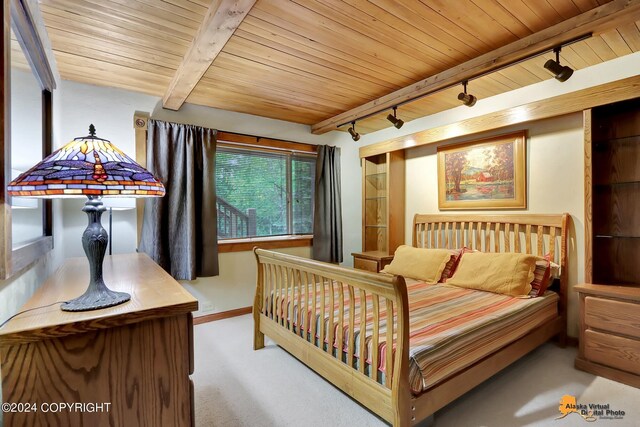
(94, 242)
(96, 299)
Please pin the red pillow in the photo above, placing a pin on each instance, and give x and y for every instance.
(541, 275)
(451, 265)
(453, 262)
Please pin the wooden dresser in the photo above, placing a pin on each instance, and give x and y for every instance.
(610, 332)
(135, 357)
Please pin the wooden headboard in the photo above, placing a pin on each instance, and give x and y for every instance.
(535, 234)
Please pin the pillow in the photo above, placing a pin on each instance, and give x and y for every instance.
(541, 277)
(555, 268)
(502, 273)
(544, 274)
(450, 266)
(458, 253)
(418, 263)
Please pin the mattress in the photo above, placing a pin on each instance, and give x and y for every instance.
(449, 328)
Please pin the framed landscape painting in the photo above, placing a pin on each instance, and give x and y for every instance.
(484, 174)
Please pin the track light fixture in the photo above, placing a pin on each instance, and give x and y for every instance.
(467, 99)
(352, 131)
(395, 120)
(560, 72)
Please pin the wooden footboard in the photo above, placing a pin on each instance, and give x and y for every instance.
(305, 306)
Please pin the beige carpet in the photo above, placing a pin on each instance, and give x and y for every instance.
(236, 386)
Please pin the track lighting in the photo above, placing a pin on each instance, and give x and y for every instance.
(467, 99)
(352, 130)
(394, 120)
(560, 72)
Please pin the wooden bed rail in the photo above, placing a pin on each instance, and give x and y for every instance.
(306, 306)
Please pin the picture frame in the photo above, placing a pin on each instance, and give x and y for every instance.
(484, 174)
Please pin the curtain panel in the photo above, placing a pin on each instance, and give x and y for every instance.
(327, 213)
(179, 231)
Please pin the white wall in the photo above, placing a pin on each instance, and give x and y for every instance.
(112, 110)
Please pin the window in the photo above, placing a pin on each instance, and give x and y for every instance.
(263, 192)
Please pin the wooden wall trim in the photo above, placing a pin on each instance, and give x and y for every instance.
(572, 102)
(197, 320)
(244, 245)
(588, 206)
(140, 121)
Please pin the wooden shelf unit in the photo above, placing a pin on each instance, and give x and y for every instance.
(383, 202)
(612, 193)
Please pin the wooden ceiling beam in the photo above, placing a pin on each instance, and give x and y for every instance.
(221, 21)
(595, 21)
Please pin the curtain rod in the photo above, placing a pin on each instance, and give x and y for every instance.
(257, 138)
(265, 148)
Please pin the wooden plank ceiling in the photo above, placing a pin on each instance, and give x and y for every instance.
(306, 61)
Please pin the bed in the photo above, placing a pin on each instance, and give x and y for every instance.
(338, 320)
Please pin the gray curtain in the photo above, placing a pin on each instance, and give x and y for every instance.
(179, 230)
(327, 212)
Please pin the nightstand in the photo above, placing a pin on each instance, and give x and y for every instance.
(371, 261)
(610, 332)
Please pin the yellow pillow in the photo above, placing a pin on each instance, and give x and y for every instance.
(502, 273)
(418, 263)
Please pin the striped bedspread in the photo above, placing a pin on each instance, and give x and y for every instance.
(450, 328)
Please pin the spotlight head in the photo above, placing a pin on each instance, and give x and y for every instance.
(467, 99)
(395, 121)
(354, 135)
(560, 72)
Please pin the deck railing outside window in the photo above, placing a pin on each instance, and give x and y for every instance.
(233, 223)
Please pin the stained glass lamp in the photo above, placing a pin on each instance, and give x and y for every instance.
(92, 167)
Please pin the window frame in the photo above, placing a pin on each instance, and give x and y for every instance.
(233, 140)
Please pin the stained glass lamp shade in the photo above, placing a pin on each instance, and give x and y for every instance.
(92, 167)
